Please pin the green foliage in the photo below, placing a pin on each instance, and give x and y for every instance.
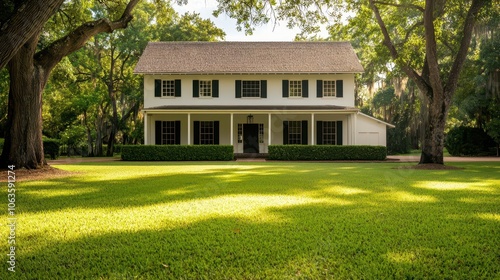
(384, 97)
(468, 141)
(177, 152)
(326, 152)
(258, 220)
(51, 147)
(493, 130)
(1, 144)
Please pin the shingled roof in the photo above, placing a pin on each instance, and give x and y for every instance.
(248, 57)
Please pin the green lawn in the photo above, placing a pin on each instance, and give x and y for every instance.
(231, 220)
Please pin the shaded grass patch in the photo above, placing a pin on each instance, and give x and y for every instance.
(257, 220)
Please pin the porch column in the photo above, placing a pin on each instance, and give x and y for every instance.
(189, 129)
(146, 130)
(355, 131)
(313, 135)
(231, 140)
(269, 138)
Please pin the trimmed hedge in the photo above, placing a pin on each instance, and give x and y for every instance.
(177, 152)
(326, 152)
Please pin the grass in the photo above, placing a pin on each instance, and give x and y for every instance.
(137, 220)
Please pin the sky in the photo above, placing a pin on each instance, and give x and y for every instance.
(261, 33)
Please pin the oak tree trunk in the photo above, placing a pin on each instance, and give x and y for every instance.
(29, 71)
(433, 140)
(23, 145)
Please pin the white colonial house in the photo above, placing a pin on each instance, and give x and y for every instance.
(254, 94)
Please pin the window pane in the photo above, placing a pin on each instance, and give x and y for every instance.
(294, 132)
(329, 88)
(207, 132)
(250, 89)
(206, 88)
(168, 133)
(329, 133)
(168, 88)
(295, 89)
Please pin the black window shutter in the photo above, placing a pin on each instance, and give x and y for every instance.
(305, 88)
(339, 132)
(158, 88)
(157, 132)
(285, 132)
(215, 88)
(177, 132)
(177, 88)
(196, 88)
(263, 89)
(285, 88)
(319, 133)
(216, 132)
(237, 89)
(319, 88)
(305, 133)
(340, 88)
(196, 132)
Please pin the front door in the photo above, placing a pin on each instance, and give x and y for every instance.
(251, 138)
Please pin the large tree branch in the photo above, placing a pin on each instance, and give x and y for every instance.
(52, 54)
(24, 23)
(458, 63)
(412, 74)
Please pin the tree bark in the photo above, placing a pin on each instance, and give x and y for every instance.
(26, 21)
(23, 145)
(29, 71)
(433, 140)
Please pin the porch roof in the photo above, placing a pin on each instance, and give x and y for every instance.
(247, 108)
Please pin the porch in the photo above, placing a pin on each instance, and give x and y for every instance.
(250, 130)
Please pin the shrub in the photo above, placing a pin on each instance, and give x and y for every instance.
(326, 152)
(177, 152)
(468, 141)
(51, 147)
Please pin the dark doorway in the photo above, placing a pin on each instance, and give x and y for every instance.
(250, 138)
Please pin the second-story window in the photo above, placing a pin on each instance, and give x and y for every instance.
(168, 88)
(250, 89)
(329, 88)
(206, 88)
(295, 88)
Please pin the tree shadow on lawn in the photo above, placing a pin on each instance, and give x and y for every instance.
(343, 181)
(314, 240)
(262, 221)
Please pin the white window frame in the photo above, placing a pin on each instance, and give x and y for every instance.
(294, 132)
(252, 88)
(261, 133)
(168, 88)
(205, 88)
(168, 133)
(329, 88)
(329, 133)
(207, 128)
(294, 88)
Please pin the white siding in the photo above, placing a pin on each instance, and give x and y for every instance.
(227, 91)
(370, 131)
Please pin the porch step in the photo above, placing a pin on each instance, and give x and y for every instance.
(250, 155)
